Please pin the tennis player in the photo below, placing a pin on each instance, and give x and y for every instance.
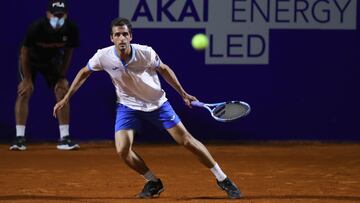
(133, 69)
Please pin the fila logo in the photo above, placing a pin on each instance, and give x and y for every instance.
(58, 4)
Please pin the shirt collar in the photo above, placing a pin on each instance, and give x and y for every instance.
(133, 50)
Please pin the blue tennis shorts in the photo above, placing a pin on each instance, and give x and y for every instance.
(163, 117)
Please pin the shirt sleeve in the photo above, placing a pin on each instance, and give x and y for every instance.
(154, 59)
(94, 63)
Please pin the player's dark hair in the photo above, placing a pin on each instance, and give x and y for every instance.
(120, 22)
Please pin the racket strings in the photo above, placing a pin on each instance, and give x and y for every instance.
(230, 111)
(219, 111)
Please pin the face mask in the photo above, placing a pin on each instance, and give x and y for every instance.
(55, 22)
(61, 21)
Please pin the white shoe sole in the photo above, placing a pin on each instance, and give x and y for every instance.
(66, 147)
(17, 148)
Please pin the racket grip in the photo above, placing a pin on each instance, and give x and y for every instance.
(197, 103)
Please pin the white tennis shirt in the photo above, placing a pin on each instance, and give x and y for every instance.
(136, 82)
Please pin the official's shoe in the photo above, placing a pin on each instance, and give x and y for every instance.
(230, 188)
(151, 189)
(66, 144)
(18, 144)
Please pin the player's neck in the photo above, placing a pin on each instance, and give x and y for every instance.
(125, 54)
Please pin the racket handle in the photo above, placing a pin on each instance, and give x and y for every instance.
(197, 103)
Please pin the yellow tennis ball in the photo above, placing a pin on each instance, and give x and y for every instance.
(199, 41)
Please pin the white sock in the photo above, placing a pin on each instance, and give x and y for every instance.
(64, 130)
(20, 130)
(219, 174)
(150, 176)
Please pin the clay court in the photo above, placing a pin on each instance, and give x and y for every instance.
(266, 172)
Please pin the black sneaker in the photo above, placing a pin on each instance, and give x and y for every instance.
(18, 144)
(230, 188)
(66, 144)
(151, 189)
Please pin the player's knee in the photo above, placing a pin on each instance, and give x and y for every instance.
(123, 152)
(187, 140)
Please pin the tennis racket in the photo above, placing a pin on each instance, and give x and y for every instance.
(225, 111)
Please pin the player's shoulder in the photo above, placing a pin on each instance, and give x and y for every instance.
(143, 51)
(106, 51)
(142, 48)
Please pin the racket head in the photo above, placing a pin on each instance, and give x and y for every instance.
(231, 110)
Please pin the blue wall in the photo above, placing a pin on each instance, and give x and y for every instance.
(309, 89)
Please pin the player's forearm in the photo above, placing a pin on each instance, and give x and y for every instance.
(80, 78)
(24, 60)
(170, 77)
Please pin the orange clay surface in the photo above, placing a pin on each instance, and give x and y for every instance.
(267, 172)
